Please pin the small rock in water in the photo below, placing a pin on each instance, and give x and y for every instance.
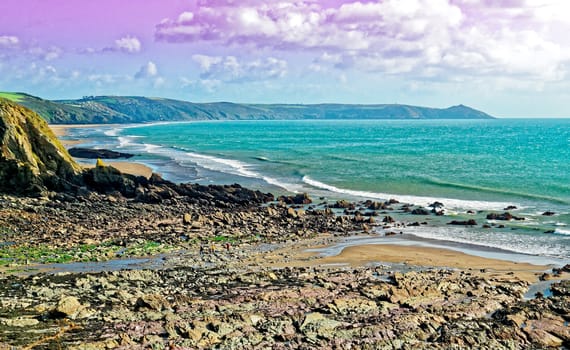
(420, 211)
(506, 216)
(469, 222)
(436, 205)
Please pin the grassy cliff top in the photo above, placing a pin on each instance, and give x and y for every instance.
(137, 109)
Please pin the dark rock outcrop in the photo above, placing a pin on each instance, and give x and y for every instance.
(32, 160)
(469, 222)
(504, 217)
(299, 199)
(420, 211)
(92, 153)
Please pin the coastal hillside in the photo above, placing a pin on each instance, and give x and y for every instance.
(131, 109)
(31, 158)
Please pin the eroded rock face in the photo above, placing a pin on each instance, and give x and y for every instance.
(31, 157)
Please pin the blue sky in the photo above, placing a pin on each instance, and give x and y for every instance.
(509, 58)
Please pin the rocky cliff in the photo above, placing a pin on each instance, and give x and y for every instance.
(32, 160)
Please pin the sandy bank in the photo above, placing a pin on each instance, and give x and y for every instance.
(126, 167)
(61, 129)
(412, 255)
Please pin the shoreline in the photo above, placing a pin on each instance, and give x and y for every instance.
(410, 240)
(61, 129)
(474, 250)
(330, 252)
(192, 266)
(127, 167)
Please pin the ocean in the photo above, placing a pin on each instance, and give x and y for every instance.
(474, 167)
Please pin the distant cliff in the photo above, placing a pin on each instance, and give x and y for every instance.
(32, 159)
(124, 109)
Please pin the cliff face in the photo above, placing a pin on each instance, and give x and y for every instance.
(31, 157)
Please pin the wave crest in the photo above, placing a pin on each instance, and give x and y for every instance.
(420, 200)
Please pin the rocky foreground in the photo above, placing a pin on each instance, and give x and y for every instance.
(218, 292)
(251, 307)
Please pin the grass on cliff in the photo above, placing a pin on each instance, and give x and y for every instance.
(15, 97)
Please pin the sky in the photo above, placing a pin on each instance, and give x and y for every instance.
(509, 58)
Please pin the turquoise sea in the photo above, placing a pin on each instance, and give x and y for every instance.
(469, 165)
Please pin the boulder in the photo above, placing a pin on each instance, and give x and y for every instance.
(68, 306)
(375, 205)
(299, 199)
(107, 179)
(436, 205)
(153, 301)
(343, 204)
(291, 213)
(470, 222)
(420, 211)
(506, 216)
(318, 325)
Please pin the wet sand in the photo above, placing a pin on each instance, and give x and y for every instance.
(423, 256)
(360, 255)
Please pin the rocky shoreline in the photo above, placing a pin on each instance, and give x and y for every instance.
(216, 290)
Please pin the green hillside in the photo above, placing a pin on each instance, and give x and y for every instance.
(133, 109)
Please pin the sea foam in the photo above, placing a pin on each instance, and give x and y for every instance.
(449, 203)
(542, 245)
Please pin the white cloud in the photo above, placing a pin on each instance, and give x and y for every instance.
(148, 70)
(46, 54)
(232, 69)
(438, 39)
(185, 17)
(208, 85)
(9, 41)
(129, 44)
(206, 62)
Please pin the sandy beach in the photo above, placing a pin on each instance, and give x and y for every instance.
(61, 129)
(424, 256)
(361, 255)
(127, 167)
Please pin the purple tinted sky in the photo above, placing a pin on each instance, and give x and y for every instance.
(509, 58)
